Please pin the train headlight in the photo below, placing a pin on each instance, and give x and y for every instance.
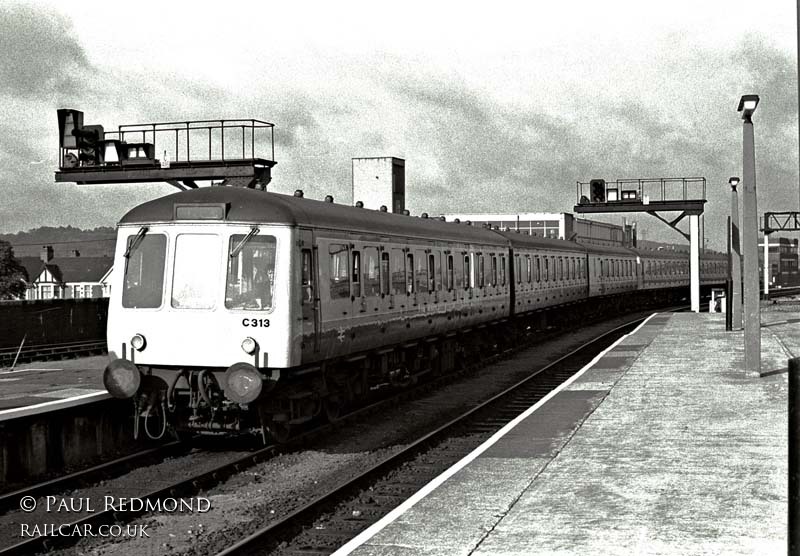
(138, 342)
(249, 345)
(122, 378)
(243, 383)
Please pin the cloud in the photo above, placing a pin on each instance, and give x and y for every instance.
(517, 141)
(41, 57)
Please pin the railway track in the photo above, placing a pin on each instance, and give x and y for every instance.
(25, 354)
(285, 529)
(338, 515)
(11, 500)
(782, 292)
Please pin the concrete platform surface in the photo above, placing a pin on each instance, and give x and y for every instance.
(663, 446)
(34, 383)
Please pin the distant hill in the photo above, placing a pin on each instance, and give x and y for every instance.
(91, 243)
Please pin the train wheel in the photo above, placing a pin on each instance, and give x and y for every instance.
(280, 432)
(333, 408)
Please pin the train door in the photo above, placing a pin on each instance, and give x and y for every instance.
(398, 294)
(338, 263)
(309, 288)
(371, 281)
(639, 269)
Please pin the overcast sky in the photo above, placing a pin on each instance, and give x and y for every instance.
(496, 106)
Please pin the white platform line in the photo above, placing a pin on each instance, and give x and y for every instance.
(375, 528)
(8, 414)
(26, 371)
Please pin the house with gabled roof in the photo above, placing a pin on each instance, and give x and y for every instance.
(71, 277)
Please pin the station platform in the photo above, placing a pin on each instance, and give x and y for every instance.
(662, 445)
(38, 383)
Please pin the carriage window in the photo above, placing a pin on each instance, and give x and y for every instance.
(384, 273)
(249, 284)
(196, 261)
(144, 272)
(410, 273)
(502, 270)
(546, 269)
(438, 269)
(518, 268)
(356, 274)
(538, 269)
(398, 269)
(307, 286)
(458, 274)
(449, 272)
(468, 281)
(602, 268)
(340, 271)
(372, 272)
(480, 276)
(528, 268)
(421, 274)
(432, 272)
(560, 268)
(493, 275)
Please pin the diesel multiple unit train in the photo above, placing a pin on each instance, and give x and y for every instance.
(238, 310)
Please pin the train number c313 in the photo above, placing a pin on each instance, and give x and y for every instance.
(256, 323)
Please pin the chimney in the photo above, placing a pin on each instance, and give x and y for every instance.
(46, 254)
(76, 253)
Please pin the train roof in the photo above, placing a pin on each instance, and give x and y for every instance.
(249, 206)
(520, 240)
(662, 254)
(610, 249)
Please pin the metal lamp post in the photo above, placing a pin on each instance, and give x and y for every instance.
(736, 259)
(752, 314)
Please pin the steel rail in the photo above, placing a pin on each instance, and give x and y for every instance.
(10, 500)
(191, 485)
(280, 529)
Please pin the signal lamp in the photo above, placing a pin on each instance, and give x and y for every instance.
(598, 190)
(734, 181)
(243, 383)
(89, 144)
(68, 121)
(138, 342)
(122, 378)
(249, 345)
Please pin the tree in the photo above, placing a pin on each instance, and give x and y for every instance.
(12, 274)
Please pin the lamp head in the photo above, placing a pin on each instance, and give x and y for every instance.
(734, 181)
(747, 105)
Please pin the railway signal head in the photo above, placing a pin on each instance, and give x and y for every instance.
(68, 121)
(598, 190)
(90, 140)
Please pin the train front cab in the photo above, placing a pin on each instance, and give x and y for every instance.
(200, 320)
